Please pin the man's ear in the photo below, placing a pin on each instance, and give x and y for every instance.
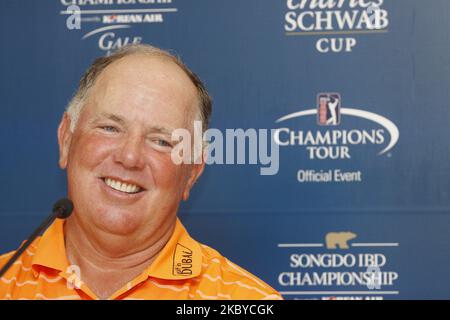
(196, 172)
(64, 140)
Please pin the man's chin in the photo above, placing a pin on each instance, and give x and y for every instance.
(118, 222)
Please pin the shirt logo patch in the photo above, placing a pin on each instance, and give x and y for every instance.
(182, 261)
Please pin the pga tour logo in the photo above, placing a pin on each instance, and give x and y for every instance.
(329, 109)
(333, 140)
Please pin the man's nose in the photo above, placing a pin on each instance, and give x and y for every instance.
(130, 153)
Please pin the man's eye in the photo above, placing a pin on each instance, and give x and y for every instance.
(163, 143)
(109, 129)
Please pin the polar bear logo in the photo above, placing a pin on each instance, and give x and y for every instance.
(339, 239)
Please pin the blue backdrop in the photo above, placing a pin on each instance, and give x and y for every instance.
(263, 60)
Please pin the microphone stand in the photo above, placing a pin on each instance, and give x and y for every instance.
(62, 209)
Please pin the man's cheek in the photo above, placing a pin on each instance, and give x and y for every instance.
(93, 149)
(169, 175)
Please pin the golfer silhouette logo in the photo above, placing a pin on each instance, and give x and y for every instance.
(328, 109)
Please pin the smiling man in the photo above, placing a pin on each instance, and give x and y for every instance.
(124, 240)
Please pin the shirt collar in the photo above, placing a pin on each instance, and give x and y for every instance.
(51, 251)
(181, 257)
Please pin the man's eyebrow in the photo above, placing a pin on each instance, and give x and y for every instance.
(159, 129)
(111, 116)
(118, 119)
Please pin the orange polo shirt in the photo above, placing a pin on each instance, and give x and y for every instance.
(184, 269)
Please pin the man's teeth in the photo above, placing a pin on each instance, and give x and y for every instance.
(122, 186)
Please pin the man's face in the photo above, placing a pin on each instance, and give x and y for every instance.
(120, 174)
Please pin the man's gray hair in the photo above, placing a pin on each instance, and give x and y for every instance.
(87, 81)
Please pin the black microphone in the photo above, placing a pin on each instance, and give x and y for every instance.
(61, 209)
